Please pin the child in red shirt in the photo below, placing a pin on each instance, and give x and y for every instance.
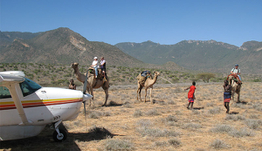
(191, 94)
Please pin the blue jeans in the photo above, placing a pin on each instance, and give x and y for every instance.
(96, 70)
(239, 77)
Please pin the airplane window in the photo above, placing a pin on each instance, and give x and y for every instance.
(4, 93)
(29, 87)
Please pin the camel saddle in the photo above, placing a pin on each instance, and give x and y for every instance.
(235, 78)
(99, 76)
(143, 76)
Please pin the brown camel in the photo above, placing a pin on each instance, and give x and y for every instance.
(235, 89)
(92, 82)
(148, 84)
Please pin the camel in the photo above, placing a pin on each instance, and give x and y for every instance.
(92, 82)
(235, 88)
(148, 84)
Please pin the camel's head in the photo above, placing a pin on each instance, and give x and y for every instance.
(156, 73)
(74, 65)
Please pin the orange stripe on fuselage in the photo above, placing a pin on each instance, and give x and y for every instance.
(38, 103)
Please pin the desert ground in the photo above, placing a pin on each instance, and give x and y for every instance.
(166, 124)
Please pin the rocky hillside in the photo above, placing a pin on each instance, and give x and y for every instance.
(9, 37)
(211, 56)
(62, 46)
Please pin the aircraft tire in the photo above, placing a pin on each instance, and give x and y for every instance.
(58, 138)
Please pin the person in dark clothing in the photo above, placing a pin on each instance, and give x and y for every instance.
(227, 95)
(103, 66)
(72, 84)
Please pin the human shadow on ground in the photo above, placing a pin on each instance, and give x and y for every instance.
(157, 102)
(198, 108)
(233, 112)
(242, 102)
(95, 133)
(113, 103)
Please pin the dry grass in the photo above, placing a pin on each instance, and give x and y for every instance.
(127, 124)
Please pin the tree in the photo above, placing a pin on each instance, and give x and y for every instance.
(205, 76)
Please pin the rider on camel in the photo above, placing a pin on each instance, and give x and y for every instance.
(95, 65)
(235, 72)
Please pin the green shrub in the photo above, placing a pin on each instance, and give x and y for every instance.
(253, 124)
(218, 144)
(215, 110)
(144, 131)
(158, 143)
(118, 145)
(137, 113)
(95, 114)
(192, 126)
(241, 133)
(235, 118)
(222, 128)
(175, 142)
(171, 118)
(152, 112)
(257, 80)
(205, 76)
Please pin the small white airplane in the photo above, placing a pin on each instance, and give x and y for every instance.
(26, 107)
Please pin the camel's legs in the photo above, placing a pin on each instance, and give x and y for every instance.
(238, 97)
(145, 94)
(91, 90)
(230, 78)
(139, 92)
(88, 90)
(106, 93)
(232, 95)
(238, 94)
(151, 96)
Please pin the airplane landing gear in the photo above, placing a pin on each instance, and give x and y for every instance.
(59, 134)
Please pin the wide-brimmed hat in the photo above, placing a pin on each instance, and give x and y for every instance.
(236, 64)
(95, 57)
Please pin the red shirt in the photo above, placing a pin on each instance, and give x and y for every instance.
(191, 91)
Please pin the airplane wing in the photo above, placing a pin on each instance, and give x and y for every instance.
(11, 80)
(11, 77)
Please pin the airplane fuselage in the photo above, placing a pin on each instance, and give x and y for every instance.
(26, 108)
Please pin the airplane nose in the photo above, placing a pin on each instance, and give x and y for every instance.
(87, 97)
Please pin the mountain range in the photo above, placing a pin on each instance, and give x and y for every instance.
(211, 56)
(59, 46)
(64, 46)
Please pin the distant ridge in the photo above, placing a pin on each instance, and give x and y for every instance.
(64, 46)
(209, 56)
(9, 37)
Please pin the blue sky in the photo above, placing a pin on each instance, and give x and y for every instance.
(161, 21)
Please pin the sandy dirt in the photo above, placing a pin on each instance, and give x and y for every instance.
(166, 124)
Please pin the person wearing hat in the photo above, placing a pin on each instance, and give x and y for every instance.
(95, 65)
(236, 71)
(103, 66)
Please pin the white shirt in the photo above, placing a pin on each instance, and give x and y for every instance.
(234, 70)
(95, 64)
(102, 62)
